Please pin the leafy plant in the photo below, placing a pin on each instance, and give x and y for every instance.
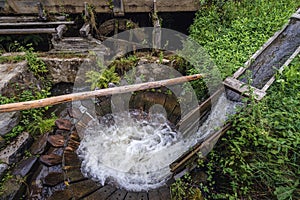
(103, 78)
(40, 125)
(35, 64)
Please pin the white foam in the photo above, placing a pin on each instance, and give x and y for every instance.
(134, 153)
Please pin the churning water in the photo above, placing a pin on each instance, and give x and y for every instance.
(134, 150)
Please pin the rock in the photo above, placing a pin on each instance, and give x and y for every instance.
(15, 150)
(53, 179)
(2, 142)
(56, 140)
(3, 168)
(12, 189)
(62, 69)
(51, 159)
(38, 147)
(63, 124)
(24, 166)
(8, 121)
(74, 112)
(8, 72)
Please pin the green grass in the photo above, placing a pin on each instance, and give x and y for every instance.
(259, 157)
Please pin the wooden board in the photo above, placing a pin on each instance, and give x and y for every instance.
(101, 6)
(243, 89)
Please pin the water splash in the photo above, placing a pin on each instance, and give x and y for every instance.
(134, 150)
(129, 149)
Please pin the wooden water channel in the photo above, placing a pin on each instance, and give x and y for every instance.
(66, 140)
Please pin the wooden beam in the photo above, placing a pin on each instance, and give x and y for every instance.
(27, 31)
(90, 94)
(60, 30)
(204, 147)
(16, 19)
(36, 23)
(242, 88)
(85, 30)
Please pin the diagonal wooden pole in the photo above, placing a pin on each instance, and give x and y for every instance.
(90, 94)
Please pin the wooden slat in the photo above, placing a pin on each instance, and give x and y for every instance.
(16, 19)
(83, 188)
(131, 196)
(154, 195)
(118, 195)
(296, 16)
(165, 193)
(203, 147)
(142, 196)
(101, 194)
(243, 89)
(37, 23)
(27, 31)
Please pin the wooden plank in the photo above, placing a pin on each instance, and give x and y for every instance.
(37, 23)
(296, 16)
(83, 188)
(165, 193)
(202, 146)
(91, 94)
(154, 195)
(243, 89)
(239, 72)
(102, 194)
(131, 196)
(118, 195)
(101, 6)
(200, 109)
(27, 31)
(85, 30)
(142, 196)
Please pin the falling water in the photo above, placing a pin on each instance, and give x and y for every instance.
(133, 150)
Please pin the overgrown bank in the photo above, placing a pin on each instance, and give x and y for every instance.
(259, 157)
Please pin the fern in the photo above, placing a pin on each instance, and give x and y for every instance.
(103, 78)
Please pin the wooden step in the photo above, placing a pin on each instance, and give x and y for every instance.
(243, 88)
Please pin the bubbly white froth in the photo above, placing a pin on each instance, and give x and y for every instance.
(135, 152)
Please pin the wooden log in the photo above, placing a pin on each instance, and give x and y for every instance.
(90, 94)
(16, 19)
(36, 23)
(85, 30)
(60, 31)
(27, 31)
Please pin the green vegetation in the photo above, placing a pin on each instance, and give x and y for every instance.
(103, 78)
(11, 59)
(232, 31)
(30, 119)
(258, 158)
(35, 64)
